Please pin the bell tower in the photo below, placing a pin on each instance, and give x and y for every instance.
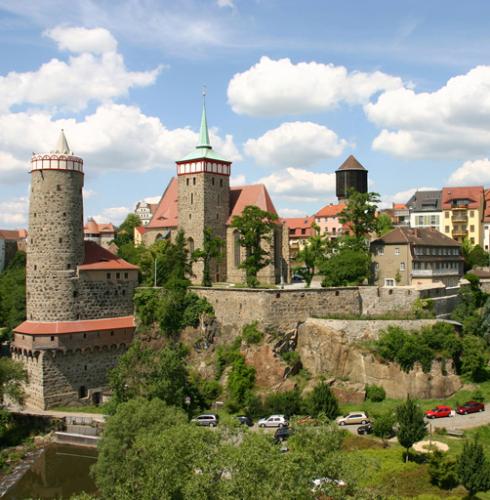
(204, 196)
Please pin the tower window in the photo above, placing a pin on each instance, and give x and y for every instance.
(221, 182)
(194, 181)
(58, 187)
(192, 198)
(35, 267)
(34, 214)
(190, 216)
(60, 240)
(68, 266)
(64, 214)
(187, 181)
(75, 294)
(52, 338)
(212, 181)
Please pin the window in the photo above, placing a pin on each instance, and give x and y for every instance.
(190, 244)
(108, 276)
(397, 251)
(126, 275)
(212, 181)
(389, 282)
(192, 198)
(82, 392)
(118, 276)
(446, 229)
(472, 229)
(236, 248)
(221, 183)
(472, 241)
(303, 231)
(187, 181)
(52, 338)
(68, 266)
(194, 181)
(472, 213)
(402, 266)
(35, 267)
(58, 187)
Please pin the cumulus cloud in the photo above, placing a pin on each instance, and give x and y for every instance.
(114, 137)
(470, 173)
(237, 180)
(295, 143)
(299, 185)
(152, 199)
(291, 212)
(112, 214)
(78, 40)
(13, 212)
(452, 121)
(225, 3)
(402, 196)
(278, 87)
(70, 86)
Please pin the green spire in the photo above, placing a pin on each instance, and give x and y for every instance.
(203, 134)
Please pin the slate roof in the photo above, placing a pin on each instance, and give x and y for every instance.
(424, 236)
(425, 201)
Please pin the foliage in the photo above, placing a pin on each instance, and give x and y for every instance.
(125, 232)
(146, 373)
(474, 468)
(474, 255)
(251, 334)
(474, 358)
(321, 401)
(226, 355)
(385, 224)
(312, 255)
(470, 304)
(423, 309)
(443, 470)
(375, 393)
(212, 249)
(292, 358)
(484, 326)
(12, 376)
(241, 381)
(383, 425)
(13, 292)
(360, 214)
(255, 227)
(411, 424)
(286, 402)
(346, 267)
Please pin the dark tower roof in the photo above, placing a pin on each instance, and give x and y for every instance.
(351, 164)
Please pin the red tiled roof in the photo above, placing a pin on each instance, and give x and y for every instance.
(473, 193)
(253, 194)
(330, 210)
(64, 327)
(486, 216)
(297, 224)
(140, 229)
(351, 164)
(399, 206)
(92, 227)
(97, 258)
(13, 234)
(166, 214)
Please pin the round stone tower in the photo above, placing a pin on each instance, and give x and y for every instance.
(350, 175)
(55, 245)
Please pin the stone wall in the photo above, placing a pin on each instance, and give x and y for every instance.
(331, 348)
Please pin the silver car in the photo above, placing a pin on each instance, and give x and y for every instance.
(206, 420)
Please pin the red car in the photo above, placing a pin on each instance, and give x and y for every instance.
(439, 412)
(470, 407)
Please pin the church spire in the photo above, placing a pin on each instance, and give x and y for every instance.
(203, 133)
(62, 145)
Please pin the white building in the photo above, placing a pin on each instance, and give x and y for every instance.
(425, 210)
(144, 211)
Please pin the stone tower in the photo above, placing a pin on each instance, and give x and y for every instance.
(350, 175)
(204, 197)
(55, 246)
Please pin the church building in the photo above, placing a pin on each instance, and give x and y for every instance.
(200, 197)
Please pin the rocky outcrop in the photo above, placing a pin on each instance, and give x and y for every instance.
(334, 348)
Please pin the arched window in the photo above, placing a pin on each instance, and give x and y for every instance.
(82, 392)
(190, 244)
(236, 248)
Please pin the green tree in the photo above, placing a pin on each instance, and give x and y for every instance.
(411, 424)
(383, 425)
(321, 401)
(240, 381)
(443, 470)
(148, 373)
(312, 255)
(474, 358)
(12, 377)
(13, 293)
(385, 224)
(360, 215)
(255, 227)
(346, 267)
(212, 249)
(125, 232)
(473, 468)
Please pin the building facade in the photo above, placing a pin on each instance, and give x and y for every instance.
(416, 256)
(103, 234)
(200, 197)
(425, 209)
(327, 219)
(145, 211)
(463, 213)
(299, 230)
(78, 295)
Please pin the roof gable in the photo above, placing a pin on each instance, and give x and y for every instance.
(253, 194)
(166, 213)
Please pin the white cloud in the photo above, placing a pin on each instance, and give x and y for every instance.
(402, 196)
(112, 214)
(237, 180)
(152, 199)
(453, 121)
(299, 185)
(474, 172)
(72, 85)
(114, 137)
(79, 40)
(225, 3)
(13, 212)
(295, 143)
(279, 87)
(291, 212)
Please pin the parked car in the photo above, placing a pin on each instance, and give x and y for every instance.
(206, 420)
(439, 412)
(365, 429)
(282, 434)
(355, 417)
(470, 407)
(297, 278)
(244, 420)
(273, 421)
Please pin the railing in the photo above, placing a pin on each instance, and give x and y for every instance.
(427, 273)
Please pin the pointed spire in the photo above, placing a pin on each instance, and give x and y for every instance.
(204, 134)
(62, 145)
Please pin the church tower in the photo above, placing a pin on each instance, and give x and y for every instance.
(204, 197)
(55, 246)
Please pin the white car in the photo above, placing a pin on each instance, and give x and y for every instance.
(273, 421)
(355, 417)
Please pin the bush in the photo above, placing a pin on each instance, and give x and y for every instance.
(478, 396)
(226, 355)
(443, 470)
(240, 381)
(287, 403)
(251, 334)
(292, 358)
(321, 401)
(375, 393)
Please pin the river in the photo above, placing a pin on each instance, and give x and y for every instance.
(61, 471)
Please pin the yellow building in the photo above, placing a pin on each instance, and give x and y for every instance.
(462, 216)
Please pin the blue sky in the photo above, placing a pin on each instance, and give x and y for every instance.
(293, 89)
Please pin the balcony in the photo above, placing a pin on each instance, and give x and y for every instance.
(458, 233)
(431, 273)
(460, 216)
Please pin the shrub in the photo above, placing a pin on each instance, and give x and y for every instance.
(321, 401)
(240, 381)
(226, 355)
(375, 393)
(292, 358)
(478, 396)
(383, 425)
(251, 334)
(443, 470)
(288, 403)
